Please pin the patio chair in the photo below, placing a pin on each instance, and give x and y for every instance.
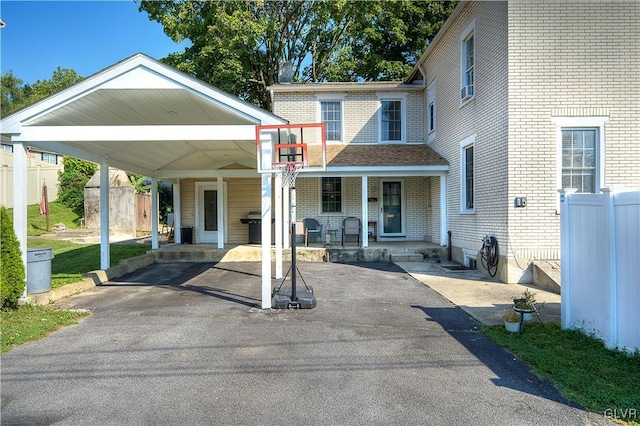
(313, 229)
(167, 226)
(351, 228)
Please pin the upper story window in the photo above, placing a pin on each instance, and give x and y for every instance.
(431, 112)
(8, 148)
(49, 158)
(467, 63)
(392, 119)
(467, 175)
(331, 113)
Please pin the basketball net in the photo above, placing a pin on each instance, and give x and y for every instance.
(289, 173)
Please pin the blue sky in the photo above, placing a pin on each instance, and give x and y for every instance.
(86, 36)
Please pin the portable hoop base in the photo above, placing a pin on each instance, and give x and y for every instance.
(281, 298)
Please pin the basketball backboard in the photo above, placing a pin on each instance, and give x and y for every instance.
(303, 144)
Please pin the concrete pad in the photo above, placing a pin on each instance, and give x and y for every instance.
(479, 295)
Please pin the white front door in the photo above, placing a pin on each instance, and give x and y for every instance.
(207, 212)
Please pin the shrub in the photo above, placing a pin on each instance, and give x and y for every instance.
(12, 281)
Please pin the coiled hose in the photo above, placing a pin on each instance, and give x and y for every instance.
(489, 255)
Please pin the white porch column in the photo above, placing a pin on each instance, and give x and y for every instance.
(221, 209)
(20, 203)
(278, 228)
(105, 260)
(266, 241)
(154, 213)
(177, 238)
(365, 212)
(443, 210)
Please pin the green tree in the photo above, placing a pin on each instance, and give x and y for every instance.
(16, 95)
(239, 46)
(72, 179)
(12, 274)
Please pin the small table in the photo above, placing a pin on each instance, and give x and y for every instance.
(372, 224)
(331, 236)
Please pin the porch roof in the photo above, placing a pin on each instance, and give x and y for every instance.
(145, 117)
(394, 155)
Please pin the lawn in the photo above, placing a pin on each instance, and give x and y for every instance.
(28, 323)
(72, 260)
(579, 366)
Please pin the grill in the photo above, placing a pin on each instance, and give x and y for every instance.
(254, 220)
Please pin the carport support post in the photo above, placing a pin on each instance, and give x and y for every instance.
(278, 192)
(20, 203)
(154, 213)
(105, 261)
(266, 241)
(365, 212)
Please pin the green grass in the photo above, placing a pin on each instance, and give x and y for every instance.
(28, 323)
(579, 366)
(72, 260)
(37, 223)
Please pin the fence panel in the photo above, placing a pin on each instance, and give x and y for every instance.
(627, 268)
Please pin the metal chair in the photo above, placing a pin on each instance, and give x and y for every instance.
(350, 228)
(312, 228)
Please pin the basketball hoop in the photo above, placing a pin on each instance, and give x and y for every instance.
(289, 173)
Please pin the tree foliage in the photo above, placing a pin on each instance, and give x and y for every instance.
(15, 95)
(12, 276)
(239, 46)
(72, 179)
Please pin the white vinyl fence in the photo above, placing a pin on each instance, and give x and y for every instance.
(38, 172)
(600, 243)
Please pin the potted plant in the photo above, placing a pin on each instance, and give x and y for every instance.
(525, 305)
(511, 321)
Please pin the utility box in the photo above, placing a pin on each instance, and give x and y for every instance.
(39, 270)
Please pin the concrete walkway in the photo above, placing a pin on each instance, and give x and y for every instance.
(482, 297)
(187, 344)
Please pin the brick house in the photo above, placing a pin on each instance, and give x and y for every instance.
(511, 101)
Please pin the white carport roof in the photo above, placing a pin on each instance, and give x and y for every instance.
(145, 117)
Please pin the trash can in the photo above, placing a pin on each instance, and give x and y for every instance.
(186, 234)
(39, 270)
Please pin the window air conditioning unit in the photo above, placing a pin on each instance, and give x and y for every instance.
(466, 92)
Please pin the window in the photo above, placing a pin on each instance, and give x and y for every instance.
(392, 118)
(467, 63)
(8, 148)
(49, 158)
(579, 159)
(431, 112)
(331, 195)
(331, 113)
(467, 175)
(580, 153)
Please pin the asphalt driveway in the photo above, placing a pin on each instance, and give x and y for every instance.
(187, 344)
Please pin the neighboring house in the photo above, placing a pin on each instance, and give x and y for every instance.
(519, 99)
(43, 167)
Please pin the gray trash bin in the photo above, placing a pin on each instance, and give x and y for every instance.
(39, 270)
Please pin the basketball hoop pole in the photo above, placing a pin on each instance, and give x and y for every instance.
(292, 220)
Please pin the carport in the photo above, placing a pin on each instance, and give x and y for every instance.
(145, 117)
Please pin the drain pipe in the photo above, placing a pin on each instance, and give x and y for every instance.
(449, 256)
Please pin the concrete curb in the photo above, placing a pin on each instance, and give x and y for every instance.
(91, 279)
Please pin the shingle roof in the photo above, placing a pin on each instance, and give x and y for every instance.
(360, 155)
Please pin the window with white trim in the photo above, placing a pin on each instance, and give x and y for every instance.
(467, 175)
(392, 119)
(49, 158)
(331, 113)
(431, 112)
(467, 63)
(331, 195)
(579, 159)
(580, 153)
